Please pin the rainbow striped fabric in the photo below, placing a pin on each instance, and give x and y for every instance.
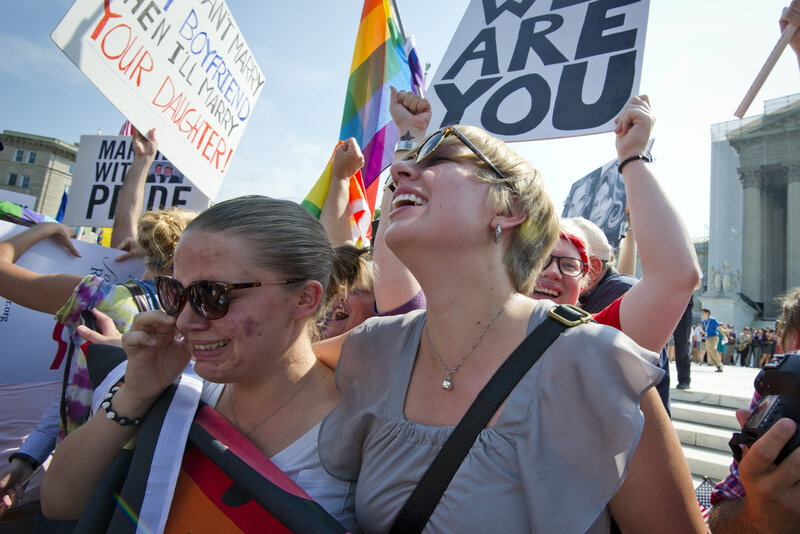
(360, 210)
(380, 59)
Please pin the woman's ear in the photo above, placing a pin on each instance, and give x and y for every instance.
(596, 272)
(509, 216)
(308, 297)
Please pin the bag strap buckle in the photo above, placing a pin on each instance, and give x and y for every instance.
(569, 315)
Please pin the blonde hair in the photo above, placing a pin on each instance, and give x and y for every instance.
(524, 187)
(158, 232)
(594, 238)
(790, 301)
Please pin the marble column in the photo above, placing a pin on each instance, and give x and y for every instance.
(752, 232)
(793, 226)
(774, 237)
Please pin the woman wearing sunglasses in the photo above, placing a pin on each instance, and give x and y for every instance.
(569, 447)
(252, 275)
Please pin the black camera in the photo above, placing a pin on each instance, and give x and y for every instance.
(778, 383)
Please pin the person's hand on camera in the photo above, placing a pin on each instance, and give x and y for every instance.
(410, 112)
(772, 503)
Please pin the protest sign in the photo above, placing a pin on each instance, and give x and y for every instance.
(600, 197)
(20, 199)
(34, 344)
(181, 67)
(525, 70)
(100, 169)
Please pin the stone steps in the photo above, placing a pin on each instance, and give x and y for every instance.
(705, 415)
(711, 399)
(704, 422)
(711, 463)
(707, 437)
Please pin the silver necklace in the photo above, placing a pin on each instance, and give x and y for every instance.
(447, 383)
(304, 381)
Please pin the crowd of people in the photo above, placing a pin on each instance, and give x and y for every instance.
(752, 347)
(365, 377)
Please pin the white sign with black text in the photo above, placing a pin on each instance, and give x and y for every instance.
(100, 169)
(524, 70)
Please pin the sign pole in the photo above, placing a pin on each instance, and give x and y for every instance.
(786, 36)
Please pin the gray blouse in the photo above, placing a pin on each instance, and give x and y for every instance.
(556, 456)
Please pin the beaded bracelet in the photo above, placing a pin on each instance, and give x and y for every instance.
(646, 157)
(111, 414)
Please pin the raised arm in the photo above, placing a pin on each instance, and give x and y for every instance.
(41, 292)
(670, 272)
(626, 264)
(335, 215)
(131, 196)
(393, 283)
(411, 113)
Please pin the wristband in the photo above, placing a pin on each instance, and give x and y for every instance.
(646, 157)
(113, 415)
(404, 144)
(32, 462)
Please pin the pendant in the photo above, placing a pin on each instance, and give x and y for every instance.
(447, 385)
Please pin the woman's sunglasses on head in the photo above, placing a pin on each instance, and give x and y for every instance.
(432, 142)
(208, 299)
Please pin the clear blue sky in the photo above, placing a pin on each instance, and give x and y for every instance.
(699, 61)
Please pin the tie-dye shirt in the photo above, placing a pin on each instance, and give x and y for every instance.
(118, 303)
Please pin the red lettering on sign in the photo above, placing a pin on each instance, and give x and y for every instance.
(118, 45)
(107, 14)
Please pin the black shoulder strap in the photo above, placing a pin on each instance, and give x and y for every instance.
(62, 409)
(101, 360)
(423, 500)
(138, 295)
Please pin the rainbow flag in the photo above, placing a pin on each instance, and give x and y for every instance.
(104, 236)
(380, 59)
(360, 212)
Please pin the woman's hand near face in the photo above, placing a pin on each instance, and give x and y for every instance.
(634, 126)
(156, 357)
